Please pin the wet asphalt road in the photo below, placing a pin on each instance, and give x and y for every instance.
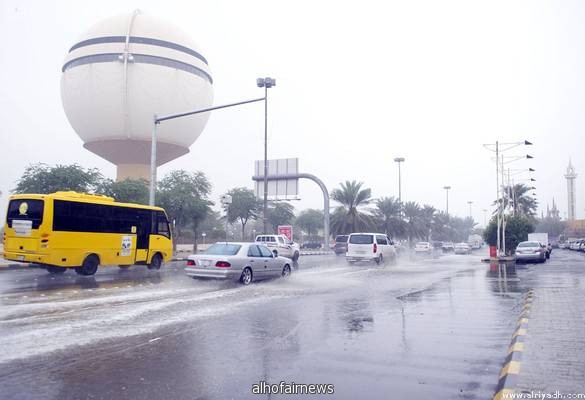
(428, 328)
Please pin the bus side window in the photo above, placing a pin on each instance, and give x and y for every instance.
(162, 225)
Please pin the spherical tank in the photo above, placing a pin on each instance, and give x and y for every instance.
(121, 73)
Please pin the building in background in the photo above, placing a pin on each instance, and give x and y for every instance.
(123, 71)
(571, 193)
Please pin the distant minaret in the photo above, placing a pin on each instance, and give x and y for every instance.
(571, 193)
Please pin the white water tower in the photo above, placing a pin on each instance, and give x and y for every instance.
(119, 74)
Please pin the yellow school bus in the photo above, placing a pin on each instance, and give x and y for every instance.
(82, 231)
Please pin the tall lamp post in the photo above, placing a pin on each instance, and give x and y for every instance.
(484, 217)
(266, 83)
(399, 160)
(470, 214)
(447, 193)
(499, 148)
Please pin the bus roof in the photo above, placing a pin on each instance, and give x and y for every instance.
(83, 197)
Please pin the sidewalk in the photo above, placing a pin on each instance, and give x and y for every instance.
(548, 357)
(554, 348)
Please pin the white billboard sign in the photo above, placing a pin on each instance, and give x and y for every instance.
(286, 186)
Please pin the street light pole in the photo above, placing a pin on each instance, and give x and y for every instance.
(470, 214)
(484, 217)
(265, 83)
(157, 120)
(447, 193)
(399, 160)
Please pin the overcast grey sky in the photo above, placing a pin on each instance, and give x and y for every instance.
(358, 83)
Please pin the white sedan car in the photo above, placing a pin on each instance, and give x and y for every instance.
(244, 262)
(462, 248)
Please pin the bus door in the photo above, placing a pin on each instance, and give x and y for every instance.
(143, 228)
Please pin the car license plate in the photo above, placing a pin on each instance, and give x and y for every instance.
(360, 252)
(20, 258)
(206, 263)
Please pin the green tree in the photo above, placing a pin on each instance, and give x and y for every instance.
(245, 206)
(388, 213)
(213, 226)
(349, 217)
(127, 191)
(426, 220)
(518, 198)
(415, 227)
(280, 213)
(43, 179)
(310, 221)
(517, 229)
(184, 196)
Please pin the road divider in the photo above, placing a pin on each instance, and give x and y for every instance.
(510, 371)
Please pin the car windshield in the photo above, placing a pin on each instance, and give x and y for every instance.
(361, 239)
(223, 249)
(341, 239)
(529, 244)
(423, 244)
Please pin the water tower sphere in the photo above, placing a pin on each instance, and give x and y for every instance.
(121, 73)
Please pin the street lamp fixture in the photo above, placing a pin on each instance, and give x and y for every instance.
(266, 83)
(399, 160)
(531, 170)
(529, 156)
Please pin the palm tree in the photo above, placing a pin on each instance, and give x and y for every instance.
(426, 216)
(520, 201)
(389, 214)
(413, 220)
(348, 217)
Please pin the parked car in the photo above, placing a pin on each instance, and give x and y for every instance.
(311, 245)
(423, 248)
(530, 251)
(462, 248)
(582, 245)
(281, 245)
(340, 246)
(448, 246)
(375, 247)
(245, 262)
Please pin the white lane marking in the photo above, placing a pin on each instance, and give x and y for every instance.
(154, 340)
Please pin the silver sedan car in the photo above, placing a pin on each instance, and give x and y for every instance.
(245, 262)
(530, 251)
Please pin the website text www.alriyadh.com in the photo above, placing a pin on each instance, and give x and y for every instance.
(263, 387)
(537, 394)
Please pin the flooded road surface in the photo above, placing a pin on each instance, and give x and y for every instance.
(428, 328)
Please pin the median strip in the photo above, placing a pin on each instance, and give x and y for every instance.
(512, 364)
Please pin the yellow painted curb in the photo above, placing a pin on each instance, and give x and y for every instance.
(504, 394)
(513, 367)
(519, 332)
(518, 346)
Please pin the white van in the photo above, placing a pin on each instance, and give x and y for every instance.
(375, 247)
(280, 244)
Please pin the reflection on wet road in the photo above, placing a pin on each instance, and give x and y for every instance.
(434, 328)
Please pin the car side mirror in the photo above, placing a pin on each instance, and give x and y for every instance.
(274, 254)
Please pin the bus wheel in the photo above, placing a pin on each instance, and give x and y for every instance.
(156, 262)
(89, 266)
(55, 270)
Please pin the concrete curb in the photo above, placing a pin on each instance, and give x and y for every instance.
(511, 368)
